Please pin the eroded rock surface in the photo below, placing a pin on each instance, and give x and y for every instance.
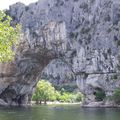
(88, 30)
(19, 78)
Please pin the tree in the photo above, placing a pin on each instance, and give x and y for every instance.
(44, 92)
(8, 37)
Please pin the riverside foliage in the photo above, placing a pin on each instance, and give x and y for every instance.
(46, 92)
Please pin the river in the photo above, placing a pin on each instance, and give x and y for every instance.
(59, 112)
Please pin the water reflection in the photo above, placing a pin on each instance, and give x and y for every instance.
(64, 112)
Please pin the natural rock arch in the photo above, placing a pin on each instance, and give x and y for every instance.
(19, 78)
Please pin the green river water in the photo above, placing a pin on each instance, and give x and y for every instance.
(59, 112)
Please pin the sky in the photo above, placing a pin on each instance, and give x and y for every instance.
(4, 4)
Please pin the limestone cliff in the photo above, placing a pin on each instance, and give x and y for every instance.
(83, 34)
(19, 78)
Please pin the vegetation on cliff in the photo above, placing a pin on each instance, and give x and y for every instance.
(8, 37)
(99, 94)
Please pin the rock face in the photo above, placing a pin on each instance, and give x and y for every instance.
(19, 78)
(84, 35)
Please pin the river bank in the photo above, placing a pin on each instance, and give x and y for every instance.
(90, 105)
(57, 103)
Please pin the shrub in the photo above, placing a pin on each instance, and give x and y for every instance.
(99, 94)
(79, 97)
(114, 77)
(116, 96)
(71, 97)
(65, 97)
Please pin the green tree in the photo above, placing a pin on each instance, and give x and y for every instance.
(65, 97)
(44, 92)
(70, 97)
(8, 37)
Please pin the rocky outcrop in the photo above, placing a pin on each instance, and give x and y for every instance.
(87, 30)
(19, 78)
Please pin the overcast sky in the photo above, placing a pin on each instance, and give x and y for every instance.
(4, 4)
